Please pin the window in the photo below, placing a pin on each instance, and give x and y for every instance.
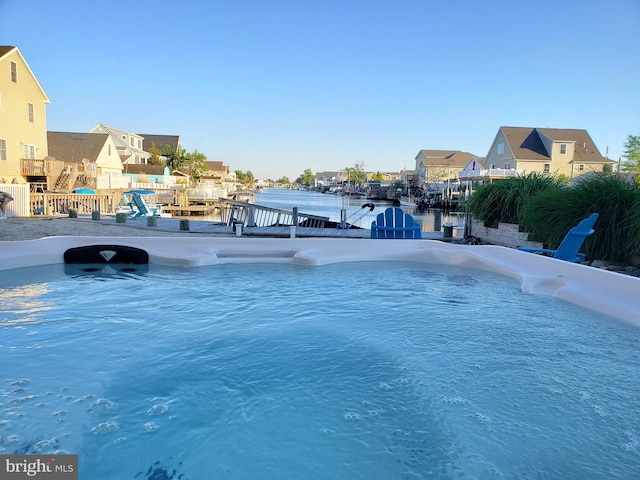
(547, 168)
(563, 148)
(507, 165)
(140, 144)
(131, 141)
(30, 108)
(0, 103)
(28, 151)
(492, 166)
(3, 149)
(14, 72)
(109, 149)
(500, 149)
(581, 167)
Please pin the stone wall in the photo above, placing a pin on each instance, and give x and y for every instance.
(506, 234)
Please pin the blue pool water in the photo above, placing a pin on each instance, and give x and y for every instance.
(354, 371)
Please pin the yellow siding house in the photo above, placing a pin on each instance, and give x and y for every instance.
(23, 119)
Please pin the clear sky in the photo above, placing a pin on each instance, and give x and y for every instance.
(279, 86)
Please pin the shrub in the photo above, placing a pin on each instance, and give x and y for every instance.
(550, 214)
(503, 201)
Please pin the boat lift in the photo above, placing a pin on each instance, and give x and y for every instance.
(344, 219)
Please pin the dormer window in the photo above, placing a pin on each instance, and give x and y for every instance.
(14, 72)
(563, 148)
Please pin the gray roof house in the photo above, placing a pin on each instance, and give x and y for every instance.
(521, 150)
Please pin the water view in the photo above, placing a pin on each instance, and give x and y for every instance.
(330, 205)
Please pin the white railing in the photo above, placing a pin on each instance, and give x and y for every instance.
(154, 186)
(208, 194)
(259, 216)
(488, 173)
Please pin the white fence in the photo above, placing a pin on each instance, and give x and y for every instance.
(20, 206)
(488, 173)
(206, 193)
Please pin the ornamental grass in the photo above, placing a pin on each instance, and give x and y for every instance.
(550, 214)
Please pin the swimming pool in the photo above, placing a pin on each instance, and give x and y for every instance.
(279, 359)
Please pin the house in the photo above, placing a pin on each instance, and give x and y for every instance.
(389, 177)
(559, 151)
(434, 167)
(23, 120)
(216, 172)
(149, 141)
(157, 174)
(129, 145)
(86, 156)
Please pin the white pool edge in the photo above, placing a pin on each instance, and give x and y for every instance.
(606, 292)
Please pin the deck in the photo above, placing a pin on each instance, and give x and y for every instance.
(189, 211)
(207, 227)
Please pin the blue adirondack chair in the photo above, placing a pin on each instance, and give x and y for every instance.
(141, 206)
(394, 223)
(572, 242)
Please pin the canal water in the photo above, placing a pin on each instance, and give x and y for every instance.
(330, 205)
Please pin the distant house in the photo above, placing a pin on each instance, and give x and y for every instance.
(558, 151)
(335, 178)
(23, 120)
(438, 166)
(216, 172)
(388, 177)
(129, 145)
(86, 156)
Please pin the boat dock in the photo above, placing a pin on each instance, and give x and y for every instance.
(189, 211)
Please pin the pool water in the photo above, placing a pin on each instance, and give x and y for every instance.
(356, 371)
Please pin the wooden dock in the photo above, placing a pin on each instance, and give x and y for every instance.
(189, 211)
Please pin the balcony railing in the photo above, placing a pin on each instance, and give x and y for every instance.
(488, 173)
(35, 167)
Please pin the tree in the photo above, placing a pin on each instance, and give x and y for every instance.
(377, 176)
(244, 177)
(632, 154)
(175, 156)
(195, 165)
(284, 181)
(306, 178)
(357, 176)
(155, 152)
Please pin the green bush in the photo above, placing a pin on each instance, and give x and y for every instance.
(503, 201)
(550, 214)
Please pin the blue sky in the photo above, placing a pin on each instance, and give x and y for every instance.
(279, 86)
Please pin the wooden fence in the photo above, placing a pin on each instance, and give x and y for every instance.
(61, 203)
